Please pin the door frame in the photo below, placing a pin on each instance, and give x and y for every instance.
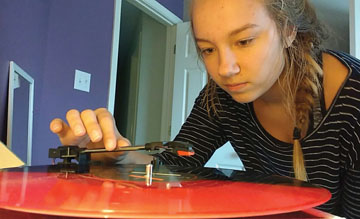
(354, 23)
(114, 55)
(14, 70)
(157, 11)
(165, 132)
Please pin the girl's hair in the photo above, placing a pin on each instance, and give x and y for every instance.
(300, 79)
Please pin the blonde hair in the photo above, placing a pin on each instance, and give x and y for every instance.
(300, 79)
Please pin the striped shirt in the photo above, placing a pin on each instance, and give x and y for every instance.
(331, 149)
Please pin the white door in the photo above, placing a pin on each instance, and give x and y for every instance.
(189, 78)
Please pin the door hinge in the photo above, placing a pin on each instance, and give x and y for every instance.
(175, 49)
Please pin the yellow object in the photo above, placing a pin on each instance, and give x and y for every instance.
(8, 158)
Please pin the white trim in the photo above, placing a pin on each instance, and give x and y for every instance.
(14, 68)
(114, 55)
(156, 11)
(168, 84)
(134, 82)
(354, 16)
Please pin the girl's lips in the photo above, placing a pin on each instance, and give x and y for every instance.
(235, 87)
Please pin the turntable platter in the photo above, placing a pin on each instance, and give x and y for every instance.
(123, 192)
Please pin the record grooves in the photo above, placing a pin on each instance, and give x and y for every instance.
(123, 191)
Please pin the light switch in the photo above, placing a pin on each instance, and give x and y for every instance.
(82, 81)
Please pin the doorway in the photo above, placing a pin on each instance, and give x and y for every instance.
(140, 76)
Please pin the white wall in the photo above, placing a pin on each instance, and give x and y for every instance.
(335, 14)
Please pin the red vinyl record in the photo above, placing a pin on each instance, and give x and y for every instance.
(171, 192)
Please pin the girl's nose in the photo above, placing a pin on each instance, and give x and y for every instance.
(228, 65)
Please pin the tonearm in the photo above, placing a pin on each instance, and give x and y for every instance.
(69, 152)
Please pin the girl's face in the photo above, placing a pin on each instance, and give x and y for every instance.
(240, 46)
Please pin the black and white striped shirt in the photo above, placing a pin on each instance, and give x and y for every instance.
(331, 150)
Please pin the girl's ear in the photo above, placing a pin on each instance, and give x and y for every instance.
(290, 35)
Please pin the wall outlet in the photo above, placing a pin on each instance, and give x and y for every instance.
(82, 81)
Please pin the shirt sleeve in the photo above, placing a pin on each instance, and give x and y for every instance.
(351, 194)
(351, 179)
(201, 130)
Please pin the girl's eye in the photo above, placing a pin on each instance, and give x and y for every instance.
(207, 51)
(245, 42)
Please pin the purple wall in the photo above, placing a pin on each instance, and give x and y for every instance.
(79, 37)
(23, 37)
(50, 39)
(175, 6)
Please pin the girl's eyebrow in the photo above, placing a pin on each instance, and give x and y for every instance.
(243, 28)
(232, 33)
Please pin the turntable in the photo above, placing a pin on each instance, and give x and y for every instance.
(94, 190)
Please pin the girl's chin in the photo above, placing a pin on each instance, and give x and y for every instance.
(243, 98)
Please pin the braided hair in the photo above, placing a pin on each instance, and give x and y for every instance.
(300, 81)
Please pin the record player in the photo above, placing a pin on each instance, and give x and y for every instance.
(94, 190)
